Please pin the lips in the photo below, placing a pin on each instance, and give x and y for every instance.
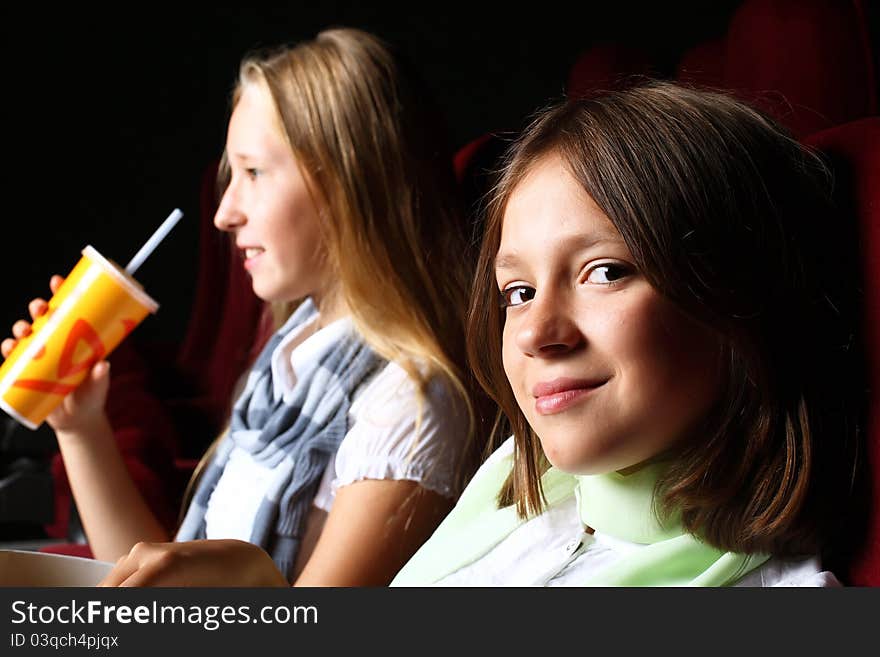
(560, 394)
(250, 254)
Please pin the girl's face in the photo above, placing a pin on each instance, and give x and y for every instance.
(606, 370)
(267, 205)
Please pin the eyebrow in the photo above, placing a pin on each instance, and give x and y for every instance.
(241, 156)
(509, 260)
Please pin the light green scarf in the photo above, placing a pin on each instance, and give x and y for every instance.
(613, 504)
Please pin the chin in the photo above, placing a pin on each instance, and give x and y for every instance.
(585, 458)
(271, 294)
(563, 458)
(584, 466)
(268, 297)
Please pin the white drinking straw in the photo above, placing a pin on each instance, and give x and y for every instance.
(153, 242)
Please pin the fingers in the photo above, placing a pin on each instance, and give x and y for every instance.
(7, 346)
(128, 565)
(151, 564)
(121, 571)
(92, 393)
(101, 371)
(195, 563)
(21, 329)
(38, 307)
(147, 575)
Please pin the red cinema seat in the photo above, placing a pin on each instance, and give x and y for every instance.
(702, 65)
(475, 164)
(809, 63)
(607, 66)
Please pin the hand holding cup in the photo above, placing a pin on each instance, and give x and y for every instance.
(37, 308)
(58, 361)
(84, 404)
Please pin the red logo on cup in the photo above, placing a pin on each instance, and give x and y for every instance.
(81, 331)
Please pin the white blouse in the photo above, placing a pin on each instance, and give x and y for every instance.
(383, 441)
(552, 549)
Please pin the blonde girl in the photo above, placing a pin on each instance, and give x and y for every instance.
(352, 429)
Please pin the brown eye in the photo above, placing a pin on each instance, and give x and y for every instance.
(607, 273)
(517, 295)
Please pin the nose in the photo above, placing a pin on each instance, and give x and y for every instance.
(229, 215)
(548, 329)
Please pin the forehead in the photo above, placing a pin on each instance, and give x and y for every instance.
(254, 127)
(549, 207)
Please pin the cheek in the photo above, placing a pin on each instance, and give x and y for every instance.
(672, 364)
(297, 230)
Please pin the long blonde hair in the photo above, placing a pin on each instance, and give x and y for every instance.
(393, 233)
(393, 230)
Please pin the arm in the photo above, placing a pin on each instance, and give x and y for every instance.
(372, 530)
(113, 513)
(375, 524)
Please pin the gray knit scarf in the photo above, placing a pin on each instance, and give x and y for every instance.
(296, 439)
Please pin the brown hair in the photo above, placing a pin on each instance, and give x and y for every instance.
(726, 216)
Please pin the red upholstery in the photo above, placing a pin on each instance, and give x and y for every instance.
(703, 65)
(475, 162)
(807, 62)
(465, 156)
(474, 165)
(854, 151)
(72, 549)
(606, 66)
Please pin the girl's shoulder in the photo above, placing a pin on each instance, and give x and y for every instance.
(397, 433)
(391, 395)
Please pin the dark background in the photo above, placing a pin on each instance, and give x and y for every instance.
(111, 117)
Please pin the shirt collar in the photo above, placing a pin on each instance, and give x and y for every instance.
(288, 360)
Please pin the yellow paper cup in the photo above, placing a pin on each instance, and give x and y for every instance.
(94, 309)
